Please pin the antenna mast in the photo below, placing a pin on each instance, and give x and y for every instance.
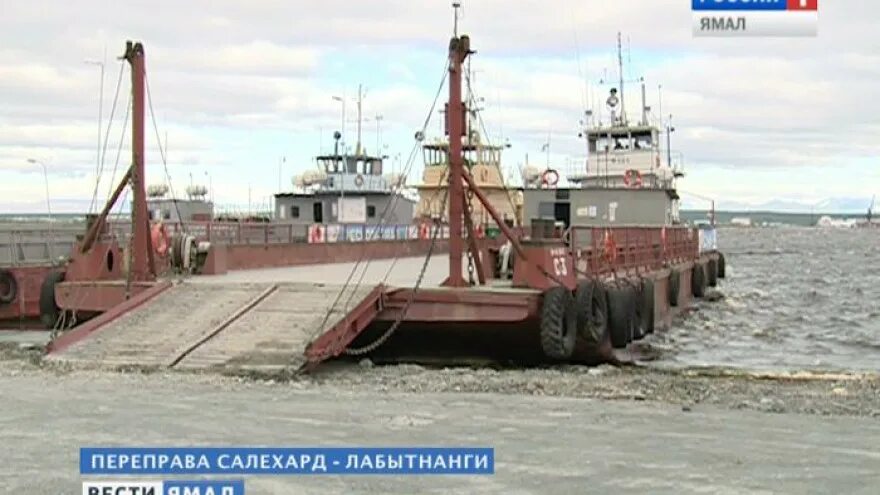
(620, 68)
(455, 7)
(359, 102)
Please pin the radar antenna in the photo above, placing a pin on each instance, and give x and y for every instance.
(456, 5)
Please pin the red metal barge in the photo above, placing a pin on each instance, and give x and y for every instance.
(545, 295)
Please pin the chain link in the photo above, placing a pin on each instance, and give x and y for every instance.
(469, 198)
(388, 333)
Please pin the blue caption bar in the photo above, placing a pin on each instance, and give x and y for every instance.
(739, 4)
(286, 461)
(203, 487)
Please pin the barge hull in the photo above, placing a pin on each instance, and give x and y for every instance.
(281, 327)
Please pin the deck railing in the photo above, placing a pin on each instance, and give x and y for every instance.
(609, 249)
(244, 233)
(29, 246)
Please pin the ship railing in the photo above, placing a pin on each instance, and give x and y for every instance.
(228, 232)
(629, 249)
(260, 233)
(43, 245)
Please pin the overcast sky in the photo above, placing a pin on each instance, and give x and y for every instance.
(237, 85)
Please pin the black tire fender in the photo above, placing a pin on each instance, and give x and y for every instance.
(722, 265)
(698, 280)
(712, 272)
(674, 286)
(49, 310)
(558, 323)
(8, 287)
(591, 310)
(646, 306)
(621, 315)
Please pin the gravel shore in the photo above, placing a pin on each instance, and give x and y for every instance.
(555, 430)
(809, 392)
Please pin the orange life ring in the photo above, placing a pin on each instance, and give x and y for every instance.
(159, 237)
(424, 231)
(359, 180)
(610, 247)
(550, 177)
(632, 178)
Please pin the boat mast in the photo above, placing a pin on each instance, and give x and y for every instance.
(142, 261)
(459, 49)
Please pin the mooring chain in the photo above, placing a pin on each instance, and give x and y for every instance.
(388, 333)
(469, 197)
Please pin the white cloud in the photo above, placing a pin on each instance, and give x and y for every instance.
(253, 71)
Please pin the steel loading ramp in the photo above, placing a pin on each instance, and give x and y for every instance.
(221, 327)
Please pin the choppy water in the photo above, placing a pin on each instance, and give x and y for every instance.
(796, 298)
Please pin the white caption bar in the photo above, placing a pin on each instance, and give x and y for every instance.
(122, 487)
(729, 23)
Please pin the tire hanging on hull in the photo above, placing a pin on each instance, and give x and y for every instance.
(698, 280)
(8, 287)
(591, 310)
(49, 310)
(646, 307)
(558, 323)
(674, 287)
(712, 272)
(621, 315)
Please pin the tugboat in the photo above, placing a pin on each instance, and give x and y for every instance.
(345, 196)
(624, 181)
(483, 162)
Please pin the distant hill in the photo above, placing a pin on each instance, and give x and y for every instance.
(764, 217)
(843, 205)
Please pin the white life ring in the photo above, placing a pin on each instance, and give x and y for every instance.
(550, 177)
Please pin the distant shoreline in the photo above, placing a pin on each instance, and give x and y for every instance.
(722, 217)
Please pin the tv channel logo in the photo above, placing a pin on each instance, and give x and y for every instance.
(755, 18)
(173, 487)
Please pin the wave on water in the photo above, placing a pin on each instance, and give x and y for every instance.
(794, 299)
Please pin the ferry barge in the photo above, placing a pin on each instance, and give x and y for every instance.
(550, 291)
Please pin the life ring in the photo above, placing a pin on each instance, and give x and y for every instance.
(424, 231)
(550, 177)
(316, 234)
(159, 236)
(610, 247)
(359, 180)
(632, 178)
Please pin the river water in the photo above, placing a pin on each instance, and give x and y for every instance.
(796, 298)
